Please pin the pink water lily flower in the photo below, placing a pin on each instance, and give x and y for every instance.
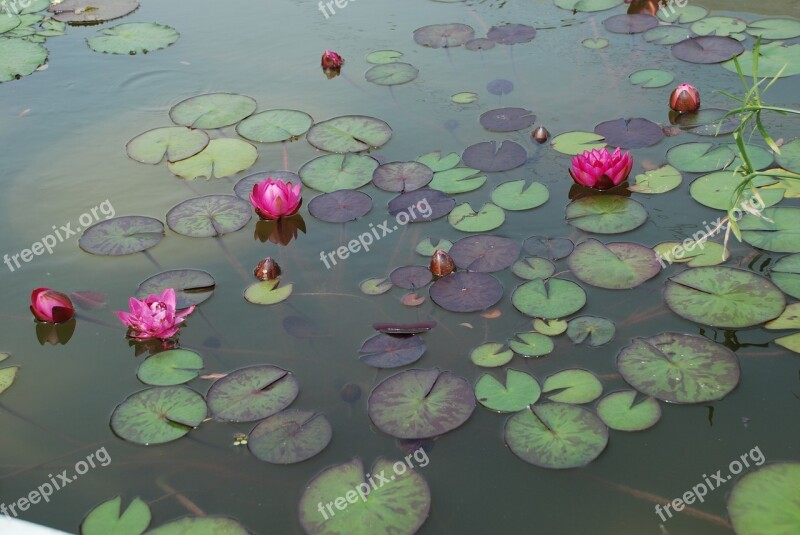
(154, 317)
(600, 169)
(273, 198)
(51, 306)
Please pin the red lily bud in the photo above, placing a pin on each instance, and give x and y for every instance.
(267, 269)
(51, 306)
(442, 263)
(685, 97)
(332, 60)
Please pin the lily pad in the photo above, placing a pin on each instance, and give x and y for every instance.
(661, 180)
(420, 403)
(291, 436)
(551, 248)
(630, 23)
(391, 351)
(519, 391)
(158, 415)
(396, 73)
(206, 525)
(466, 292)
(679, 368)
(171, 367)
(507, 119)
(789, 158)
(573, 143)
(173, 142)
(349, 133)
(268, 292)
(587, 6)
(550, 327)
(487, 156)
(616, 266)
(666, 35)
(213, 110)
(79, 12)
(340, 206)
(7, 376)
(773, 57)
(19, 57)
(590, 329)
(133, 38)
(695, 253)
(533, 267)
(211, 215)
(382, 57)
(411, 277)
(491, 355)
(573, 386)
(633, 133)
(335, 172)
(402, 176)
(716, 190)
(444, 35)
(500, 87)
(682, 15)
(553, 299)
(556, 435)
(595, 43)
(439, 203)
(479, 44)
(10, 21)
(783, 28)
(109, 519)
(789, 319)
(531, 344)
(273, 126)
(618, 411)
(708, 49)
(465, 219)
(722, 26)
(765, 500)
(786, 275)
(436, 162)
(651, 78)
(244, 187)
(792, 342)
(707, 122)
(221, 158)
(782, 235)
(606, 214)
(515, 196)
(252, 393)
(122, 235)
(700, 157)
(192, 286)
(457, 180)
(465, 97)
(426, 247)
(484, 253)
(511, 34)
(375, 286)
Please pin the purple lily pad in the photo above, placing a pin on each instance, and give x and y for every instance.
(404, 328)
(252, 393)
(707, 49)
(636, 23)
(244, 187)
(421, 403)
(630, 133)
(500, 87)
(507, 119)
(480, 44)
(192, 286)
(411, 277)
(444, 35)
(484, 253)
(552, 249)
(439, 204)
(488, 157)
(123, 235)
(210, 215)
(402, 176)
(340, 206)
(391, 351)
(466, 291)
(291, 436)
(512, 34)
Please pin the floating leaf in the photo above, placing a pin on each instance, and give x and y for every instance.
(679, 368)
(617, 410)
(192, 286)
(391, 351)
(587, 5)
(7, 376)
(789, 319)
(211, 215)
(511, 34)
(420, 403)
(273, 126)
(765, 500)
(783, 28)
(573, 143)
(439, 205)
(465, 97)
(411, 277)
(500, 87)
(786, 275)
(533, 267)
(531, 345)
(722, 26)
(598, 331)
(244, 187)
(133, 38)
(206, 525)
(158, 415)
(436, 162)
(700, 157)
(381, 57)
(392, 74)
(573, 386)
(405, 328)
(519, 391)
(122, 235)
(781, 235)
(427, 248)
(291, 436)
(484, 253)
(514, 196)
(696, 253)
(487, 156)
(19, 57)
(606, 214)
(595, 44)
(507, 119)
(171, 367)
(466, 292)
(683, 15)
(666, 35)
(709, 49)
(457, 180)
(412, 300)
(552, 249)
(661, 180)
(109, 519)
(375, 286)
(553, 299)
(78, 12)
(10, 21)
(221, 158)
(252, 393)
(633, 133)
(792, 342)
(774, 58)
(716, 190)
(174, 142)
(789, 158)
(629, 24)
(213, 110)
(465, 219)
(616, 266)
(402, 176)
(443, 35)
(340, 206)
(479, 44)
(651, 78)
(335, 172)
(491, 355)
(267, 292)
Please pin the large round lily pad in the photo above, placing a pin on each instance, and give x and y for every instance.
(786, 275)
(484, 253)
(551, 248)
(402, 176)
(272, 126)
(122, 235)
(391, 351)
(679, 368)
(389, 74)
(507, 119)
(487, 156)
(616, 266)
(551, 299)
(464, 218)
(700, 157)
(466, 292)
(421, 403)
(707, 49)
(533, 267)
(789, 158)
(19, 57)
(133, 38)
(335, 172)
(618, 411)
(213, 110)
(79, 12)
(766, 500)
(173, 142)
(519, 391)
(606, 214)
(444, 35)
(399, 507)
(511, 34)
(349, 133)
(782, 235)
(109, 518)
(192, 286)
(556, 435)
(158, 415)
(221, 158)
(774, 58)
(435, 203)
(252, 393)
(783, 28)
(340, 206)
(717, 190)
(291, 436)
(633, 133)
(171, 367)
(211, 215)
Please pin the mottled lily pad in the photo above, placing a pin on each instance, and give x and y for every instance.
(484, 253)
(551, 248)
(633, 133)
(444, 35)
(619, 411)
(291, 436)
(108, 518)
(122, 235)
(78, 12)
(338, 171)
(211, 215)
(133, 38)
(173, 142)
(340, 206)
(500, 87)
(511, 34)
(466, 292)
(519, 391)
(515, 196)
(411, 277)
(19, 57)
(389, 74)
(707, 49)
(553, 299)
(402, 176)
(213, 110)
(487, 156)
(628, 24)
(616, 266)
(590, 329)
(786, 275)
(781, 235)
(349, 133)
(707, 122)
(480, 44)
(191, 286)
(272, 126)
(765, 500)
(391, 351)
(221, 158)
(252, 393)
(171, 367)
(606, 214)
(158, 415)
(507, 119)
(572, 386)
(533, 267)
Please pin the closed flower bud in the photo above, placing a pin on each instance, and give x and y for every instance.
(442, 263)
(267, 269)
(540, 135)
(684, 98)
(332, 60)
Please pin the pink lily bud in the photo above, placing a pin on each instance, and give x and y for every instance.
(332, 60)
(685, 97)
(51, 306)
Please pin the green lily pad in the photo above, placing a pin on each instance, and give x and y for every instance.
(550, 327)
(695, 253)
(789, 158)
(214, 110)
(556, 298)
(721, 26)
(291, 436)
(252, 393)
(109, 519)
(349, 133)
(382, 57)
(206, 525)
(791, 342)
(173, 142)
(780, 236)
(772, 58)
(590, 329)
(426, 247)
(595, 44)
(765, 500)
(606, 214)
(19, 57)
(209, 216)
(786, 275)
(573, 143)
(651, 78)
(774, 28)
(158, 415)
(399, 507)
(679, 368)
(661, 180)
(335, 172)
(573, 386)
(171, 367)
(531, 344)
(716, 190)
(700, 157)
(221, 158)
(272, 126)
(519, 391)
(723, 297)
(760, 158)
(420, 403)
(396, 73)
(515, 196)
(4, 356)
(587, 5)
(457, 180)
(267, 292)
(618, 412)
(465, 97)
(9, 21)
(789, 319)
(666, 35)
(376, 286)
(191, 286)
(436, 162)
(122, 235)
(556, 435)
(682, 14)
(616, 266)
(491, 355)
(34, 6)
(133, 38)
(465, 219)
(533, 267)
(7, 376)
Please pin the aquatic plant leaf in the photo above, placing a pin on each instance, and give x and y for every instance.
(375, 286)
(722, 26)
(484, 253)
(465, 97)
(556, 435)
(549, 327)
(683, 15)
(651, 78)
(291, 436)
(206, 525)
(616, 266)
(401, 507)
(666, 35)
(716, 190)
(791, 342)
(781, 235)
(587, 5)
(573, 386)
(439, 203)
(533, 267)
(765, 500)
(706, 122)
(514, 195)
(426, 247)
(7, 376)
(109, 519)
(192, 286)
(595, 44)
(551, 299)
(679, 368)
(700, 157)
(79, 12)
(783, 28)
(173, 142)
(221, 158)
(122, 235)
(590, 329)
(606, 214)
(786, 275)
(402, 176)
(491, 355)
(789, 158)
(773, 57)
(479, 44)
(661, 180)
(507, 119)
(208, 216)
(629, 24)
(457, 180)
(389, 74)
(500, 87)
(551, 248)
(252, 393)
(335, 172)
(709, 49)
(633, 133)
(340, 206)
(694, 253)
(158, 415)
(391, 351)
(133, 37)
(466, 292)
(244, 187)
(10, 21)
(465, 219)
(405, 328)
(349, 133)
(444, 35)
(212, 110)
(789, 319)
(618, 412)
(511, 34)
(382, 57)
(272, 126)
(519, 391)
(171, 367)
(531, 344)
(421, 403)
(411, 277)
(487, 156)
(436, 162)
(573, 143)
(268, 292)
(19, 57)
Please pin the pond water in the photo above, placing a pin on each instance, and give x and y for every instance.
(63, 136)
